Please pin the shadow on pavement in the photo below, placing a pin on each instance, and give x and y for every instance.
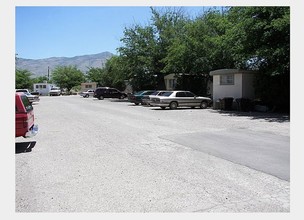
(268, 116)
(24, 147)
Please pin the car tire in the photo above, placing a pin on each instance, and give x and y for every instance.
(173, 105)
(122, 97)
(203, 105)
(86, 96)
(101, 97)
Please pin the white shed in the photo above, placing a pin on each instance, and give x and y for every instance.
(42, 88)
(233, 83)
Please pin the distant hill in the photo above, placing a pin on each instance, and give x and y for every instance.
(39, 67)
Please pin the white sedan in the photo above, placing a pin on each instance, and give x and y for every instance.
(174, 99)
(87, 93)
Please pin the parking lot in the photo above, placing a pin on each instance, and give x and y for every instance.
(109, 155)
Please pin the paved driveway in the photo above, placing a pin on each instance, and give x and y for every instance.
(112, 156)
(264, 151)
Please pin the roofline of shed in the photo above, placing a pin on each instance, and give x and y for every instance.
(229, 71)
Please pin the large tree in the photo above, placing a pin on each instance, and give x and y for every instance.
(115, 72)
(95, 74)
(66, 77)
(254, 38)
(112, 75)
(23, 79)
(262, 43)
(145, 47)
(198, 50)
(137, 54)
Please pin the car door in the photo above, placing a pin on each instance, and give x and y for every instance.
(114, 93)
(106, 93)
(191, 99)
(181, 98)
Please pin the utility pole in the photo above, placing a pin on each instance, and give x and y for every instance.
(16, 59)
(48, 73)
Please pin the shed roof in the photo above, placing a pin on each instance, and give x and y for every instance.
(229, 71)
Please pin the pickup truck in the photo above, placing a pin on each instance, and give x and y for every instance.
(55, 91)
(32, 98)
(24, 119)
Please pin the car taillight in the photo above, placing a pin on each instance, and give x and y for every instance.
(25, 123)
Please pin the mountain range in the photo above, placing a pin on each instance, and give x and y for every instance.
(41, 67)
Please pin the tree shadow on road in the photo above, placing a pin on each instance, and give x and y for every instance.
(24, 147)
(268, 116)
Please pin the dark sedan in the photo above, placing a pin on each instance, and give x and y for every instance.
(137, 97)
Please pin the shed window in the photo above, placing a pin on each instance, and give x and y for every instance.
(227, 79)
(172, 83)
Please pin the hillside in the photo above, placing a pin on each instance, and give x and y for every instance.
(39, 67)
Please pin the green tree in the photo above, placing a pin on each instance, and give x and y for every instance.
(112, 75)
(41, 79)
(145, 47)
(137, 55)
(115, 72)
(95, 75)
(198, 50)
(67, 77)
(262, 36)
(168, 25)
(23, 79)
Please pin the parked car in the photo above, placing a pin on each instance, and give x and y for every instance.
(136, 98)
(32, 98)
(24, 119)
(176, 99)
(107, 92)
(146, 99)
(87, 93)
(55, 91)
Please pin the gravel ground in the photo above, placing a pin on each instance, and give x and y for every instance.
(109, 156)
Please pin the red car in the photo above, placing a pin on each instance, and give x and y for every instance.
(24, 120)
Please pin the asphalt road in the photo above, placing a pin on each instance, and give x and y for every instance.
(112, 156)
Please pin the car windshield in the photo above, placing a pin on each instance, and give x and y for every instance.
(161, 93)
(138, 93)
(167, 94)
(26, 103)
(147, 93)
(155, 93)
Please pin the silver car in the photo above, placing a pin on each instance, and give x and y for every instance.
(31, 98)
(87, 93)
(146, 99)
(174, 99)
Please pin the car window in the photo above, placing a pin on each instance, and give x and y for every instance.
(167, 94)
(155, 93)
(148, 92)
(189, 94)
(138, 93)
(161, 93)
(180, 94)
(21, 90)
(26, 103)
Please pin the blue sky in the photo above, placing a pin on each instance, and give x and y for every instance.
(43, 32)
